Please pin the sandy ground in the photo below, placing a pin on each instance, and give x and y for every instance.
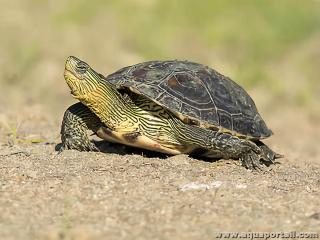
(124, 193)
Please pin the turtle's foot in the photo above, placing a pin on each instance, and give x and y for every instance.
(79, 144)
(77, 120)
(258, 156)
(251, 161)
(250, 157)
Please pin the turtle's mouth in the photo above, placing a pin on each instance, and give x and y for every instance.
(73, 83)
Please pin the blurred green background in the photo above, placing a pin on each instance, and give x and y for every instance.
(270, 47)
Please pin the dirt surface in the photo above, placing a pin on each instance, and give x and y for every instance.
(271, 48)
(124, 194)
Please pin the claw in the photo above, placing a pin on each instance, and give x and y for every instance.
(92, 147)
(75, 144)
(76, 121)
(251, 161)
(62, 148)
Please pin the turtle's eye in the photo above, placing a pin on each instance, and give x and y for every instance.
(82, 67)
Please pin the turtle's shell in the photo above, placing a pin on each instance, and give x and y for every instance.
(196, 94)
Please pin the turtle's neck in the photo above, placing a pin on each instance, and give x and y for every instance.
(108, 104)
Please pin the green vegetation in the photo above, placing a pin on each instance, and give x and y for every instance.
(267, 44)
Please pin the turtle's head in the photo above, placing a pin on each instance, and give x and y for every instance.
(80, 77)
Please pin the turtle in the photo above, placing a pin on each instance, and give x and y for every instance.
(173, 107)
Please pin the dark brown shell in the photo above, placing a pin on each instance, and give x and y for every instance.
(196, 93)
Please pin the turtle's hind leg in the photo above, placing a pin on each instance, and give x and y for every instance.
(77, 120)
(253, 155)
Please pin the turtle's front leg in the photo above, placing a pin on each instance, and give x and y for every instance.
(77, 120)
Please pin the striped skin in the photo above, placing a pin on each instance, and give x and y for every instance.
(135, 120)
(144, 117)
(77, 120)
(151, 120)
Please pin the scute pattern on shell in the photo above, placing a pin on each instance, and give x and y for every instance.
(196, 92)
